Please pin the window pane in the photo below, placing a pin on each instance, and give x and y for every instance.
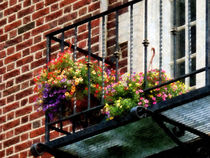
(193, 9)
(193, 39)
(180, 44)
(181, 70)
(193, 68)
(180, 17)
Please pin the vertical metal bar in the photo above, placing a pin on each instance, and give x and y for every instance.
(75, 44)
(62, 42)
(189, 37)
(74, 58)
(160, 40)
(89, 53)
(103, 58)
(47, 130)
(117, 45)
(131, 39)
(48, 49)
(207, 78)
(60, 116)
(145, 43)
(174, 33)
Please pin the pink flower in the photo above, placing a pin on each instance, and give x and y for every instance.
(153, 98)
(146, 101)
(146, 105)
(154, 103)
(139, 103)
(159, 95)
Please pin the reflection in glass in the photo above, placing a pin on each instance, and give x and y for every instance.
(193, 68)
(180, 17)
(193, 10)
(193, 39)
(180, 44)
(181, 70)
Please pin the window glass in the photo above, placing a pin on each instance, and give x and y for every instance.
(180, 17)
(193, 68)
(193, 39)
(180, 44)
(181, 70)
(193, 9)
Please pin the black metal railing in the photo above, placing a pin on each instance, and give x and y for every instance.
(130, 5)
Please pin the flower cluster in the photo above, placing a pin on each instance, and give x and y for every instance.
(128, 92)
(64, 80)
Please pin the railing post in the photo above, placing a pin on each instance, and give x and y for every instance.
(207, 78)
(174, 33)
(47, 130)
(160, 39)
(131, 39)
(48, 43)
(145, 43)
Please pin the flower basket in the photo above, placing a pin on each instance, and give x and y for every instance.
(64, 83)
(122, 96)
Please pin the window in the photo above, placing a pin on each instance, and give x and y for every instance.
(185, 44)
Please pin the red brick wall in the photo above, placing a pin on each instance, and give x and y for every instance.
(23, 26)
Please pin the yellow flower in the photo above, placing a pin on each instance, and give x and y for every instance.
(111, 118)
(93, 72)
(76, 81)
(67, 94)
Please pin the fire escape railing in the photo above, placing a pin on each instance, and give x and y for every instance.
(74, 135)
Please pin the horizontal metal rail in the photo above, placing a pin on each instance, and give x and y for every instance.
(85, 52)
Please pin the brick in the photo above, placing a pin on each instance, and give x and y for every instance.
(26, 36)
(26, 27)
(38, 63)
(10, 83)
(3, 37)
(80, 4)
(13, 9)
(9, 134)
(37, 39)
(24, 94)
(9, 151)
(53, 16)
(25, 68)
(2, 70)
(24, 45)
(26, 3)
(37, 132)
(2, 86)
(82, 11)
(13, 34)
(36, 124)
(38, 55)
(23, 77)
(2, 153)
(67, 18)
(54, 7)
(48, 2)
(12, 2)
(26, 19)
(11, 90)
(39, 5)
(12, 58)
(11, 124)
(24, 102)
(67, 9)
(10, 107)
(23, 146)
(3, 22)
(35, 115)
(24, 136)
(39, 46)
(24, 119)
(10, 116)
(39, 21)
(25, 85)
(40, 29)
(22, 129)
(11, 74)
(13, 25)
(11, 141)
(12, 18)
(2, 119)
(93, 7)
(40, 13)
(4, 5)
(95, 23)
(13, 42)
(10, 67)
(66, 2)
(24, 61)
(10, 99)
(26, 52)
